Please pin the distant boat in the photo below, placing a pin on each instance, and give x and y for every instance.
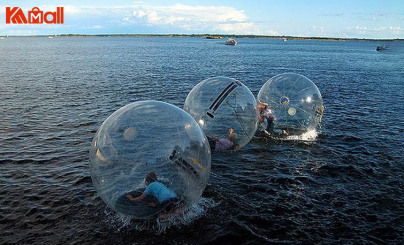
(231, 41)
(2, 38)
(50, 37)
(380, 48)
(213, 37)
(285, 39)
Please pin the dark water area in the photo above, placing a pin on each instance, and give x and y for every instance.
(346, 187)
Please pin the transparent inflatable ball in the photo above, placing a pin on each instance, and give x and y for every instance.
(222, 104)
(294, 100)
(143, 139)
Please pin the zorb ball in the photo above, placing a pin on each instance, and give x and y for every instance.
(294, 100)
(144, 137)
(221, 103)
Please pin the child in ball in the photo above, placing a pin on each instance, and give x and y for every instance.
(167, 199)
(218, 144)
(265, 113)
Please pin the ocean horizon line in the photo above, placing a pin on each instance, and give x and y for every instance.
(209, 35)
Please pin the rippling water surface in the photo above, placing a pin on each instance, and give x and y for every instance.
(345, 187)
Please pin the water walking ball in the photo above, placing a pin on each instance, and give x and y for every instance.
(294, 100)
(144, 137)
(219, 104)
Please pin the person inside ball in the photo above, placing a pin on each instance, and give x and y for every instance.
(167, 199)
(266, 113)
(218, 144)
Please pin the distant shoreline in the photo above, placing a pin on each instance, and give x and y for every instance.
(209, 36)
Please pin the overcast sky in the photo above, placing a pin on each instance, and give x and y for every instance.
(325, 18)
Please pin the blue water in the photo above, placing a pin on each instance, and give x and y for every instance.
(346, 187)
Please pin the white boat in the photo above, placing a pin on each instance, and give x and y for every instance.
(231, 41)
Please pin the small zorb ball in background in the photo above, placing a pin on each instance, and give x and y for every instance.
(221, 103)
(144, 137)
(294, 100)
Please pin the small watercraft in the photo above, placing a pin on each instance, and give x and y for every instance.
(380, 48)
(213, 37)
(231, 41)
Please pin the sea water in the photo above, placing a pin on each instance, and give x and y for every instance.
(343, 186)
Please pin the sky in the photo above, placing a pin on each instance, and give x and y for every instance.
(373, 19)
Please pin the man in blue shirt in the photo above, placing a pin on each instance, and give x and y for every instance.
(167, 199)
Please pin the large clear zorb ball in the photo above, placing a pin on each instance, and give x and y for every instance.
(144, 137)
(221, 103)
(294, 100)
